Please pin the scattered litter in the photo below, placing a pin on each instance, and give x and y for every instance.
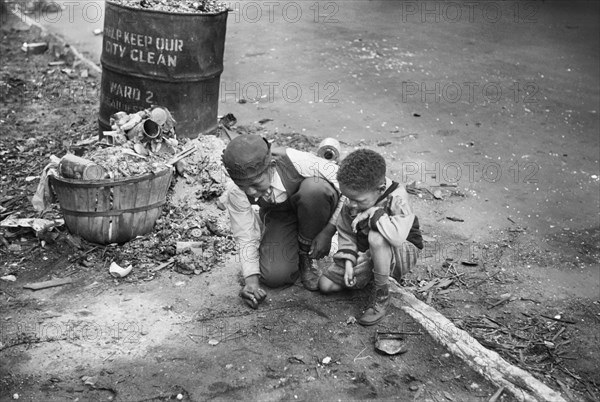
(326, 360)
(89, 380)
(453, 219)
(35, 48)
(351, 320)
(9, 278)
(437, 194)
(98, 31)
(428, 239)
(119, 272)
(390, 343)
(38, 225)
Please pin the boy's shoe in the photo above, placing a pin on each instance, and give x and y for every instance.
(378, 307)
(309, 272)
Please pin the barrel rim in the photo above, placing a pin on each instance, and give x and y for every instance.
(107, 65)
(111, 182)
(167, 12)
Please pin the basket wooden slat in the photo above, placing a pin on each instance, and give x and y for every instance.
(112, 211)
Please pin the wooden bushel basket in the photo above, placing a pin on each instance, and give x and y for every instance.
(112, 211)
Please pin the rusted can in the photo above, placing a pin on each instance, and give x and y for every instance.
(75, 167)
(145, 130)
(329, 149)
(152, 57)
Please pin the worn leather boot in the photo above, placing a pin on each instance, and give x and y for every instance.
(377, 309)
(309, 272)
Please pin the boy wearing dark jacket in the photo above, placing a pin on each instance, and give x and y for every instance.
(378, 232)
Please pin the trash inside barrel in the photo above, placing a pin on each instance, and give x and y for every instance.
(157, 56)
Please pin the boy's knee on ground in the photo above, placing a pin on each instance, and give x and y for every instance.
(328, 286)
(377, 241)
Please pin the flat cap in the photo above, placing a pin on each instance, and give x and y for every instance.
(246, 157)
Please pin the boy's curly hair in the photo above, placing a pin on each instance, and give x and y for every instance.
(362, 170)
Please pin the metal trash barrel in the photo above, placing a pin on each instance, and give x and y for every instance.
(161, 58)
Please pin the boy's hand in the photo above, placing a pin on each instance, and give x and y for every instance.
(349, 278)
(252, 293)
(321, 244)
(366, 214)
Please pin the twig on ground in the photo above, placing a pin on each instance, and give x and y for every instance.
(48, 284)
(109, 356)
(486, 279)
(565, 390)
(496, 395)
(503, 300)
(360, 353)
(8, 293)
(32, 341)
(558, 319)
(163, 265)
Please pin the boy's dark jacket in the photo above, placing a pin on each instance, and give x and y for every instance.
(394, 220)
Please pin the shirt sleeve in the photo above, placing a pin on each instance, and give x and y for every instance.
(246, 229)
(394, 227)
(347, 247)
(334, 217)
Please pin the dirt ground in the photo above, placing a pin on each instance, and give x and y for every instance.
(513, 261)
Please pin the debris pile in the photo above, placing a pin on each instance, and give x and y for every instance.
(152, 129)
(183, 7)
(139, 143)
(535, 342)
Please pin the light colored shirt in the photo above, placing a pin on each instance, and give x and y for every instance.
(245, 222)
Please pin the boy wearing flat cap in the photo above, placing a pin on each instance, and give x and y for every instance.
(298, 198)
